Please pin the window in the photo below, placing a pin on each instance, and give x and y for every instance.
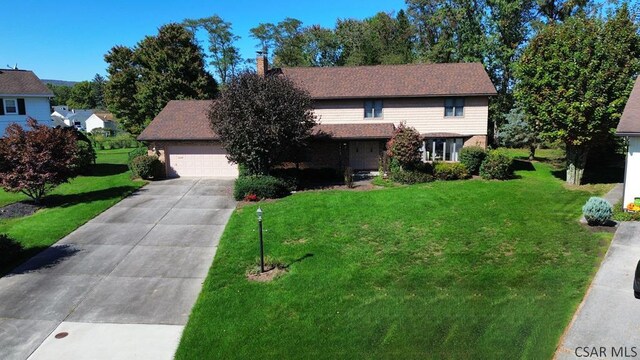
(10, 106)
(454, 107)
(373, 109)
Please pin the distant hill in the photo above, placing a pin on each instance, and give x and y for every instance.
(59, 82)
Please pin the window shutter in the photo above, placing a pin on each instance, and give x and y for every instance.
(1, 107)
(21, 108)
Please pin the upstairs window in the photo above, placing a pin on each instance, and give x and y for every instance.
(10, 106)
(373, 108)
(454, 107)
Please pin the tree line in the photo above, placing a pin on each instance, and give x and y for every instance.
(530, 49)
(82, 95)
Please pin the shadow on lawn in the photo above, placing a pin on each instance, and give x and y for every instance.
(305, 256)
(55, 200)
(108, 169)
(522, 165)
(12, 254)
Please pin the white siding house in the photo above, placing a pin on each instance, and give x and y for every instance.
(94, 122)
(629, 127)
(23, 96)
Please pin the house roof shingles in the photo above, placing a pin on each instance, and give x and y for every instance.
(354, 131)
(21, 82)
(630, 121)
(181, 120)
(383, 81)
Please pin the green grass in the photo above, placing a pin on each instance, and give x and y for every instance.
(69, 205)
(464, 270)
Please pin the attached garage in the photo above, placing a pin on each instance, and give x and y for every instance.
(182, 138)
(198, 161)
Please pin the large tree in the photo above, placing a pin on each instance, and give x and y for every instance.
(225, 56)
(574, 78)
(262, 120)
(34, 162)
(159, 68)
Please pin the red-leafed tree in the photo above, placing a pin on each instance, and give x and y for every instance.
(35, 161)
(405, 145)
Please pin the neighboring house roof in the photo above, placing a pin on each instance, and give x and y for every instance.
(354, 131)
(384, 81)
(22, 82)
(630, 121)
(79, 115)
(181, 120)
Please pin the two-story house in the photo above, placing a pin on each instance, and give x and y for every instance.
(22, 96)
(357, 109)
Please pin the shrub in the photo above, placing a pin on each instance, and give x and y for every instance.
(348, 177)
(471, 157)
(417, 174)
(404, 146)
(597, 211)
(86, 156)
(449, 171)
(145, 166)
(497, 165)
(262, 186)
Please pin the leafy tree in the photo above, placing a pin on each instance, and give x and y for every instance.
(159, 68)
(559, 10)
(574, 78)
(262, 121)
(449, 31)
(321, 46)
(225, 56)
(404, 146)
(81, 96)
(61, 94)
(34, 162)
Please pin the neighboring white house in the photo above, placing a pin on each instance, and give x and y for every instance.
(629, 127)
(23, 96)
(75, 118)
(95, 121)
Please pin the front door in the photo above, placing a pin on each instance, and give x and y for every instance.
(364, 155)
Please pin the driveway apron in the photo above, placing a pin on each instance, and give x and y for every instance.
(607, 323)
(122, 285)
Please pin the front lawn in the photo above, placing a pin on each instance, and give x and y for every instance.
(69, 205)
(464, 269)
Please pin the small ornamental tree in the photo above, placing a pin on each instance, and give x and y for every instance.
(34, 162)
(404, 146)
(262, 121)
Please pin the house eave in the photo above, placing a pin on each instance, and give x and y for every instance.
(402, 96)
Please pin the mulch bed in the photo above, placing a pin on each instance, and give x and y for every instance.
(18, 209)
(268, 275)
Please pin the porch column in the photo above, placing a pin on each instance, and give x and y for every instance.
(433, 153)
(444, 151)
(454, 154)
(424, 151)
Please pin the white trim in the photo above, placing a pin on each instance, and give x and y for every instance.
(15, 102)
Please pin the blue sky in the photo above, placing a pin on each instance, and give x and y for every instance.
(67, 39)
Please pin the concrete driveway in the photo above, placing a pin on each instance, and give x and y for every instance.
(607, 324)
(122, 285)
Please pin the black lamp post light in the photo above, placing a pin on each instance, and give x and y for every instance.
(259, 213)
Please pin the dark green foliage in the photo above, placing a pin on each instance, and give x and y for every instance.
(497, 166)
(597, 211)
(86, 156)
(302, 178)
(61, 94)
(404, 146)
(574, 79)
(142, 79)
(139, 151)
(418, 173)
(263, 186)
(471, 157)
(449, 171)
(262, 121)
(145, 166)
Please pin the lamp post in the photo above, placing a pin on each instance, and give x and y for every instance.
(259, 213)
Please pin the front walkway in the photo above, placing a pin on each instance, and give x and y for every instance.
(122, 285)
(609, 317)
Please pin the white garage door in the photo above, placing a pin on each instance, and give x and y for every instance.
(199, 161)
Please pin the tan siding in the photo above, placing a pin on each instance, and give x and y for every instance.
(424, 114)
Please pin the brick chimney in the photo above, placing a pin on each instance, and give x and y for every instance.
(262, 63)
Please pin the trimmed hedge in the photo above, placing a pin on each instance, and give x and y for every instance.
(496, 166)
(86, 156)
(410, 177)
(263, 186)
(471, 157)
(449, 171)
(145, 166)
